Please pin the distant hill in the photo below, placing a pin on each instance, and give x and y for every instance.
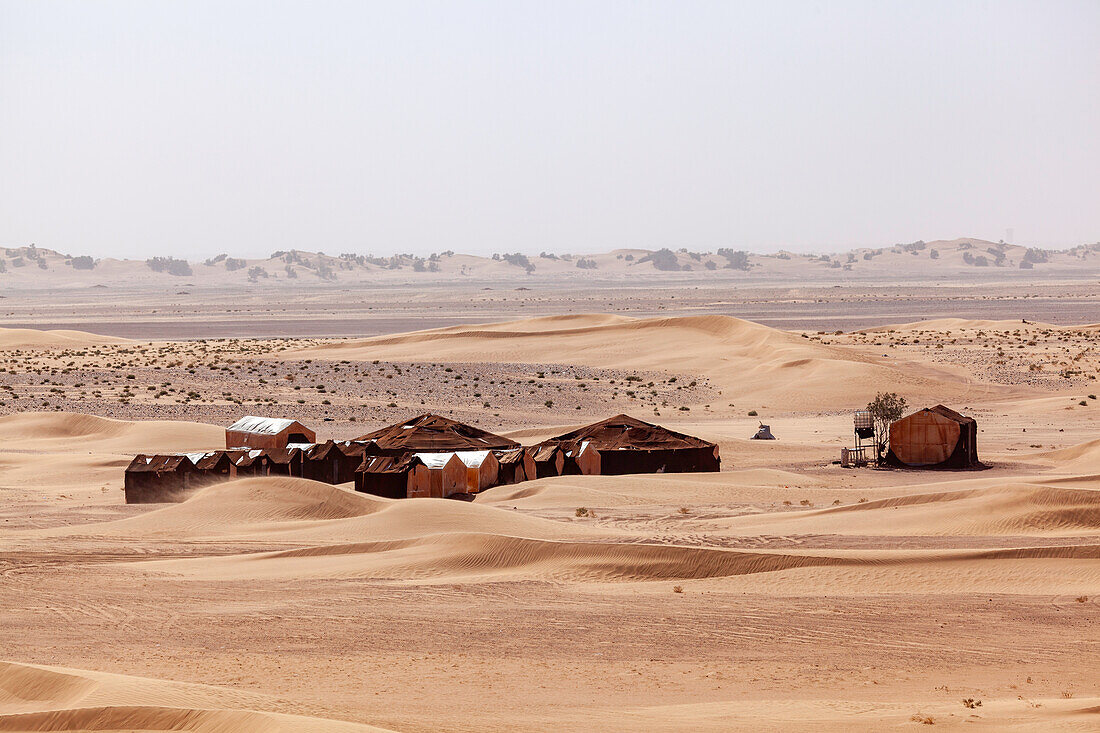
(32, 267)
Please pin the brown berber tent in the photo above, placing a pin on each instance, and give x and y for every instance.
(623, 444)
(267, 433)
(433, 434)
(252, 462)
(152, 479)
(328, 463)
(289, 461)
(935, 437)
(396, 478)
(214, 465)
(516, 466)
(549, 460)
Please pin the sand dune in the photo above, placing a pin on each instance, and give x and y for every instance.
(971, 324)
(956, 324)
(1006, 714)
(1012, 509)
(1084, 457)
(55, 472)
(743, 359)
(38, 698)
(73, 432)
(293, 510)
(747, 485)
(492, 557)
(29, 338)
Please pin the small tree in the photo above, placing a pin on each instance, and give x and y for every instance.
(885, 409)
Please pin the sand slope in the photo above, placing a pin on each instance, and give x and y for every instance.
(294, 510)
(39, 698)
(1010, 509)
(73, 432)
(468, 558)
(745, 360)
(29, 338)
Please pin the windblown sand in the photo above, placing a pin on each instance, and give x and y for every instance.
(784, 593)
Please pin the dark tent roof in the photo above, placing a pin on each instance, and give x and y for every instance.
(354, 447)
(434, 433)
(283, 455)
(544, 452)
(510, 456)
(244, 458)
(318, 451)
(764, 432)
(623, 432)
(388, 464)
(210, 460)
(143, 463)
(950, 414)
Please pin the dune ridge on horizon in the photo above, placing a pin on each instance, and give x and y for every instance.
(745, 360)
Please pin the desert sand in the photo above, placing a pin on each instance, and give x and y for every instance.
(783, 593)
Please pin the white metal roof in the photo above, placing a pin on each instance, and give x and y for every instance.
(434, 460)
(263, 425)
(472, 458)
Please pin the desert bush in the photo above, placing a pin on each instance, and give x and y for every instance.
(662, 259)
(885, 409)
(735, 259)
(169, 265)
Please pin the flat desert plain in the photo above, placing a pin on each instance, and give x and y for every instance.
(783, 593)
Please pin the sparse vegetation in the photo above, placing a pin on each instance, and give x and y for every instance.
(885, 408)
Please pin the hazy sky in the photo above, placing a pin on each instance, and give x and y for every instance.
(192, 128)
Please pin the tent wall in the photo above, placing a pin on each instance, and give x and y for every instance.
(676, 460)
(451, 478)
(390, 485)
(928, 439)
(155, 487)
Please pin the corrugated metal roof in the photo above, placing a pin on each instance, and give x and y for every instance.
(261, 425)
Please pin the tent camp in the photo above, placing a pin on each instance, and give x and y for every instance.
(267, 433)
(434, 434)
(935, 437)
(396, 478)
(623, 444)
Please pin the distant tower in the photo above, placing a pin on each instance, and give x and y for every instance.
(1010, 234)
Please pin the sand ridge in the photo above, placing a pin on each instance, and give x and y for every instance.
(41, 698)
(30, 338)
(745, 360)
